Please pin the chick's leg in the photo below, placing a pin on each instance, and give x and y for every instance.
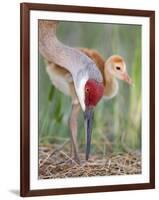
(73, 125)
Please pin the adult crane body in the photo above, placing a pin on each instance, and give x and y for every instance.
(84, 73)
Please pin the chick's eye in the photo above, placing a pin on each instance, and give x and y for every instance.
(117, 67)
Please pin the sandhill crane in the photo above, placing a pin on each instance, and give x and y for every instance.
(82, 74)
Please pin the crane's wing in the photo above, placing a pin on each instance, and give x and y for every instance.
(72, 59)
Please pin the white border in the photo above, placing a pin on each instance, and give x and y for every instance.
(35, 183)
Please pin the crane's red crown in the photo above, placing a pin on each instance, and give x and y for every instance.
(93, 92)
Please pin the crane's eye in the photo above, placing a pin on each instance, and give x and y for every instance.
(118, 68)
(87, 90)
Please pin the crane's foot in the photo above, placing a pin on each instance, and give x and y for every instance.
(74, 160)
(77, 159)
(80, 161)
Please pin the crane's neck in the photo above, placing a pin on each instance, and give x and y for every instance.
(111, 84)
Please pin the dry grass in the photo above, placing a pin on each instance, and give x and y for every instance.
(55, 162)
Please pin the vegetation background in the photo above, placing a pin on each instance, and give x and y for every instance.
(117, 122)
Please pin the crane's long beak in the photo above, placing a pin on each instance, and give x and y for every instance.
(88, 115)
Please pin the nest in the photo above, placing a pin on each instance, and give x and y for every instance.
(56, 163)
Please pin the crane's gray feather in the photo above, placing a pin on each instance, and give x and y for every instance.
(76, 62)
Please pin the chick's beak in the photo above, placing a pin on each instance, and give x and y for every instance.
(127, 78)
(88, 116)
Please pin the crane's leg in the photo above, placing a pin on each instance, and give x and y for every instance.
(73, 125)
